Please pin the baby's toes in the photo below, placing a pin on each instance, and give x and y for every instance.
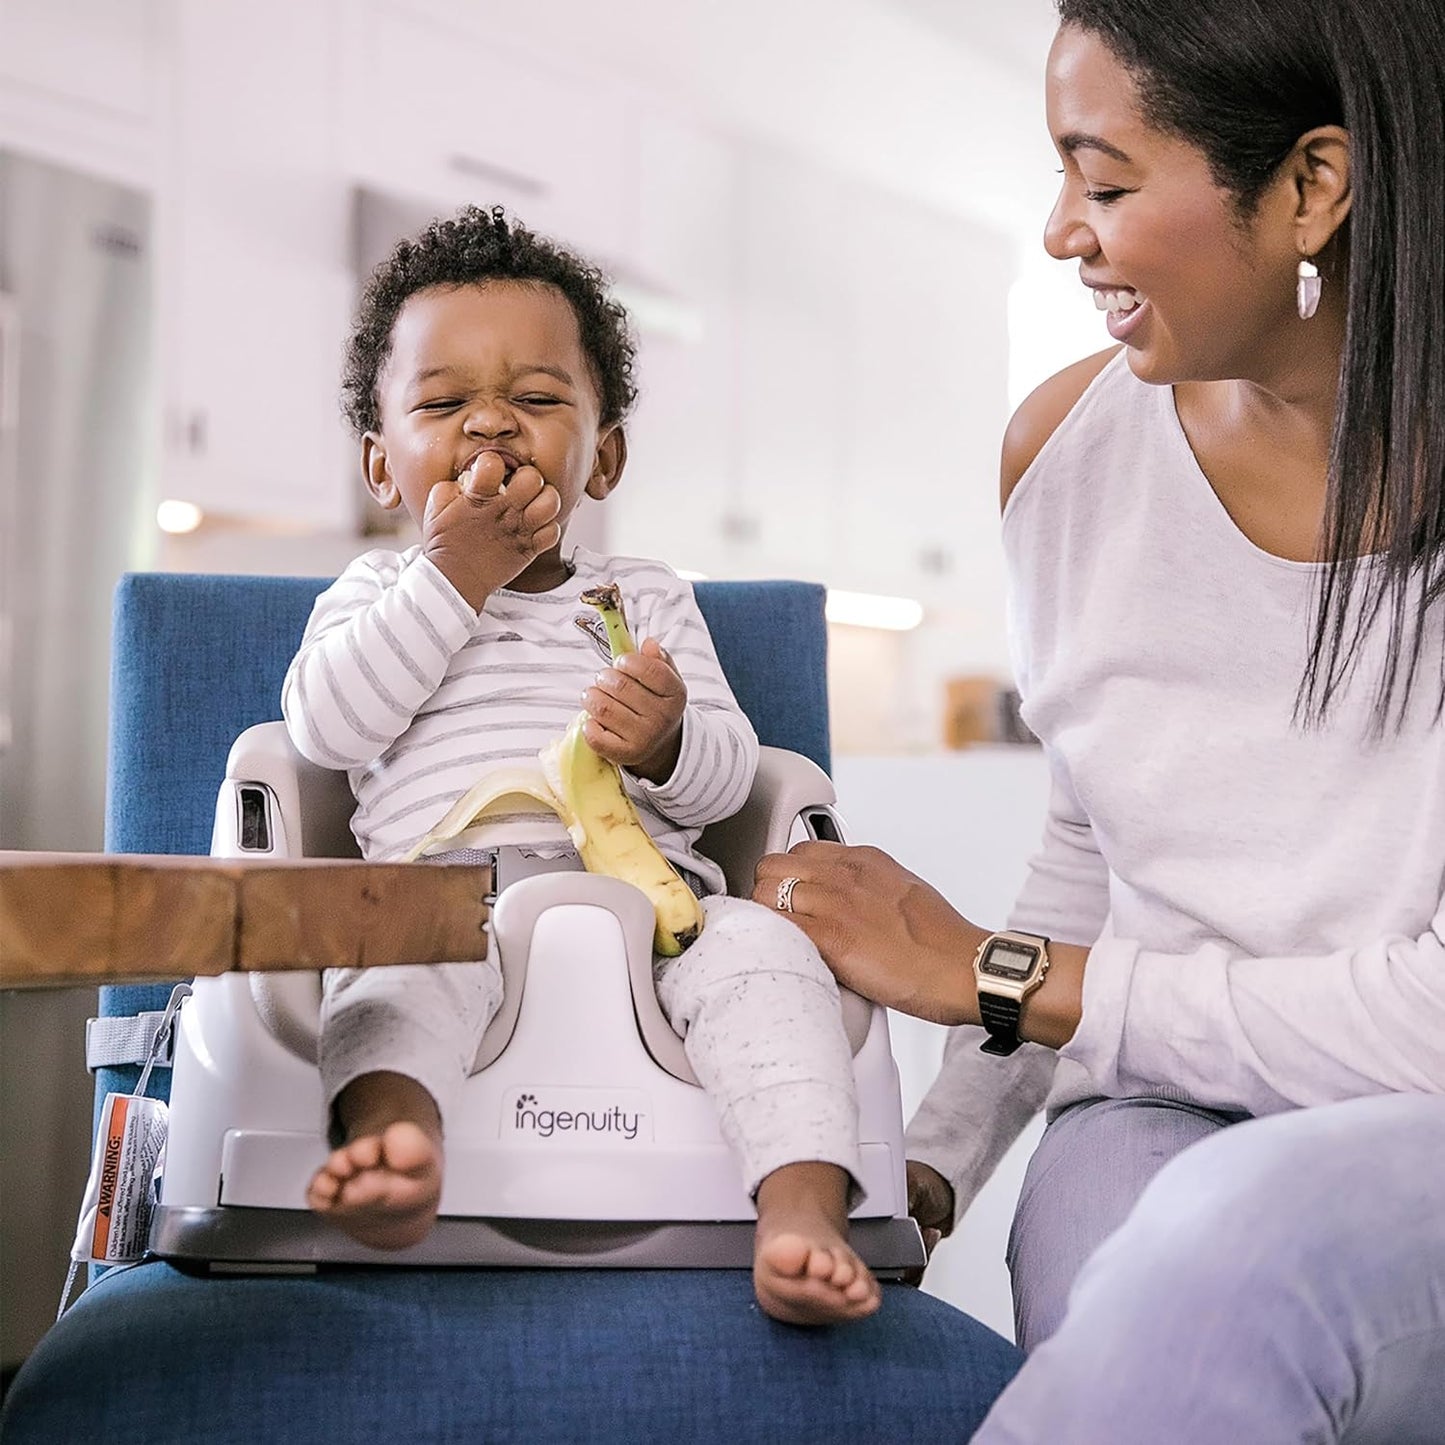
(845, 1269)
(321, 1193)
(787, 1255)
(360, 1154)
(366, 1190)
(822, 1264)
(407, 1149)
(339, 1165)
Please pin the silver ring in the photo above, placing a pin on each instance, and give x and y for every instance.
(785, 895)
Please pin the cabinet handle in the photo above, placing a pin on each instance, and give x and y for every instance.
(186, 431)
(498, 175)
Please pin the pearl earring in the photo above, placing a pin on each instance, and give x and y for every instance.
(1307, 290)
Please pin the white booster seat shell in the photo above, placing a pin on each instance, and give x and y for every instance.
(583, 1138)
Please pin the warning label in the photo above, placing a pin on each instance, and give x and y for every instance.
(132, 1135)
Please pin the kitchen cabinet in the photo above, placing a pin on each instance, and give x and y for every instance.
(437, 104)
(925, 300)
(790, 361)
(255, 250)
(97, 53)
(678, 499)
(837, 413)
(822, 388)
(82, 81)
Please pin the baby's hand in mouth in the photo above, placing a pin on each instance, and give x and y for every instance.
(486, 475)
(531, 479)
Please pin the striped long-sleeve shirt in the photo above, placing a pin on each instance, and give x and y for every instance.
(401, 684)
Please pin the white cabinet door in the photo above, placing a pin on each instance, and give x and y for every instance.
(927, 326)
(791, 363)
(439, 106)
(97, 54)
(81, 83)
(256, 254)
(678, 493)
(838, 413)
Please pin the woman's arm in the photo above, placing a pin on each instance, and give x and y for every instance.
(974, 1110)
(980, 1103)
(1215, 1026)
(1264, 1034)
(376, 647)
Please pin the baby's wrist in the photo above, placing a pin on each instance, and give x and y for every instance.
(661, 764)
(471, 589)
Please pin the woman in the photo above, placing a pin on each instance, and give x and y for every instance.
(1227, 550)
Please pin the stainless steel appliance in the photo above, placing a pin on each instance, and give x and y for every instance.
(76, 411)
(76, 441)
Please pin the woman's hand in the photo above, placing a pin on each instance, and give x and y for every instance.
(883, 931)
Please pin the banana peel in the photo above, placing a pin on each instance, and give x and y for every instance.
(586, 792)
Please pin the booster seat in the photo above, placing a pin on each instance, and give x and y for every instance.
(583, 1139)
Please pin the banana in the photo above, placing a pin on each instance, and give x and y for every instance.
(607, 599)
(518, 789)
(587, 794)
(610, 838)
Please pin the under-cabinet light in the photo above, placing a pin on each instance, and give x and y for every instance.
(179, 517)
(858, 609)
(869, 609)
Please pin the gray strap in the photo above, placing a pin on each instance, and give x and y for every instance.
(126, 1039)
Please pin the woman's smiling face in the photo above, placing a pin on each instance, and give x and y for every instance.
(1194, 290)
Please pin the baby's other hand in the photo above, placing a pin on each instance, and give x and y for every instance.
(635, 709)
(482, 529)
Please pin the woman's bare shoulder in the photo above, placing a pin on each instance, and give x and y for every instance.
(1039, 414)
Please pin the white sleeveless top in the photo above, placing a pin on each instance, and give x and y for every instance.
(1266, 899)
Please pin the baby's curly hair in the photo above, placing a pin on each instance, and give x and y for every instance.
(471, 248)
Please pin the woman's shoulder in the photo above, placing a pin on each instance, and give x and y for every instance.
(1041, 413)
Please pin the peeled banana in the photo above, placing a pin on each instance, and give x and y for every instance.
(586, 793)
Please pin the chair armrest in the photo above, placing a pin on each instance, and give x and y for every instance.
(311, 806)
(308, 810)
(790, 792)
(788, 788)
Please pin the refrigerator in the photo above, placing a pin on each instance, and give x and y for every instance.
(77, 447)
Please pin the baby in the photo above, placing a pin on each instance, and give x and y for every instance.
(488, 377)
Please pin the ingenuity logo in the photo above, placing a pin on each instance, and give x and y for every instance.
(605, 1115)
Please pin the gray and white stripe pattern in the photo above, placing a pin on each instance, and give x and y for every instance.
(400, 684)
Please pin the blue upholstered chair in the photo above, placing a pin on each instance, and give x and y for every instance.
(151, 1354)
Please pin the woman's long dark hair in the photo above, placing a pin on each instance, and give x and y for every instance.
(1242, 80)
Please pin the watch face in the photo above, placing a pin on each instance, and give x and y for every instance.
(1005, 959)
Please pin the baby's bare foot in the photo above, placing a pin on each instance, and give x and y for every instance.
(382, 1189)
(804, 1270)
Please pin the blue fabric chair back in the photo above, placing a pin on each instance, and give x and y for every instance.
(197, 659)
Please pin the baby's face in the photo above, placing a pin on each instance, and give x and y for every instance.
(491, 368)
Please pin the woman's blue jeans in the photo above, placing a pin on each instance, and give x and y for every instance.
(1184, 1276)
